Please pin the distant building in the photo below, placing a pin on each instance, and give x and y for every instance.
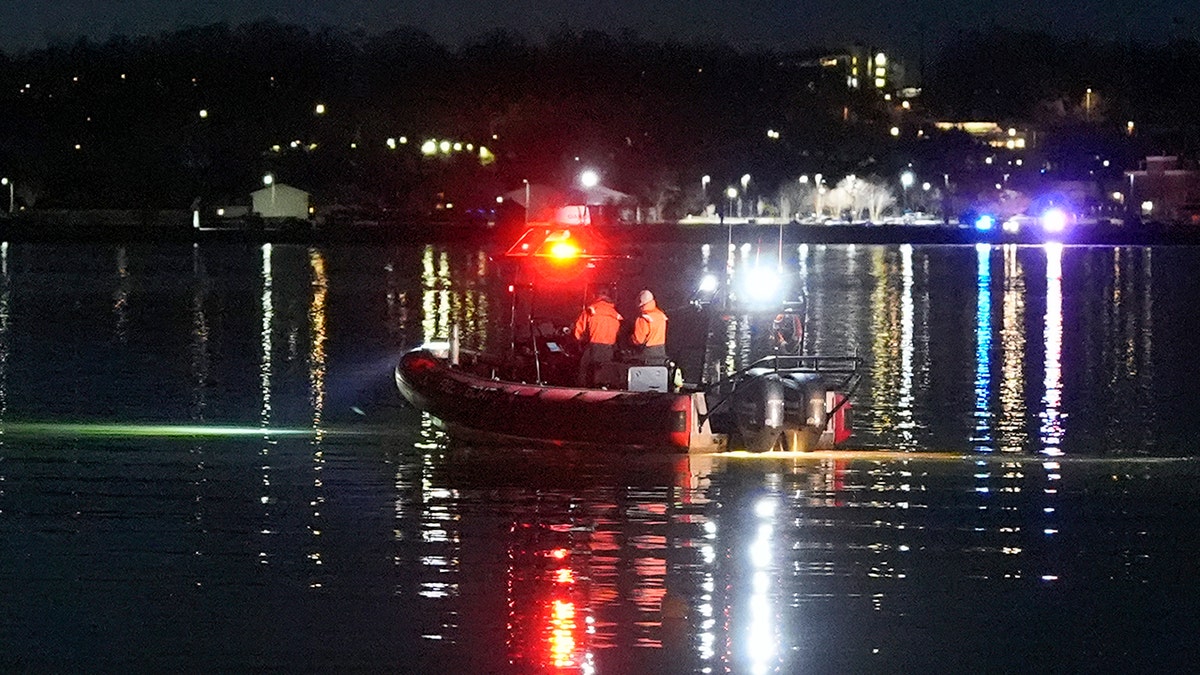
(279, 201)
(1165, 188)
(992, 134)
(859, 67)
(594, 205)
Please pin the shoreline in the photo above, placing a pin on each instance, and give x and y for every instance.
(154, 228)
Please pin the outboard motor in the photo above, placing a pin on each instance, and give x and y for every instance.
(780, 410)
(758, 403)
(806, 422)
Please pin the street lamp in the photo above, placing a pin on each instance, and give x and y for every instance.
(589, 178)
(818, 192)
(269, 179)
(6, 181)
(946, 198)
(732, 194)
(906, 181)
(745, 191)
(526, 182)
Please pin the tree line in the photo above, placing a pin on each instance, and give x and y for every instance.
(205, 112)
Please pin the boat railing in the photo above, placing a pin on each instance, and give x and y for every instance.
(807, 363)
(842, 373)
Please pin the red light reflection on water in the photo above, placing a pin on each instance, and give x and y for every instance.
(548, 623)
(562, 634)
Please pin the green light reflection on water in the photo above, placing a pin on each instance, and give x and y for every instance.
(60, 429)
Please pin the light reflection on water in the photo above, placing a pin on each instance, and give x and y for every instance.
(394, 549)
(1011, 420)
(982, 439)
(474, 559)
(770, 565)
(1052, 416)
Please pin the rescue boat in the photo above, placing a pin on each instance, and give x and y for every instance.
(793, 403)
(783, 401)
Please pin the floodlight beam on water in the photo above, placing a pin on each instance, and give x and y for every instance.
(113, 430)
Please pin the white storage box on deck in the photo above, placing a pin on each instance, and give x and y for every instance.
(648, 378)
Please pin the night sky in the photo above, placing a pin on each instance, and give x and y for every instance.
(898, 25)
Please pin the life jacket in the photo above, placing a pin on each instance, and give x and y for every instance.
(598, 324)
(650, 328)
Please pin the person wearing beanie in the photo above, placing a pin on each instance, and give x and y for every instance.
(596, 330)
(650, 331)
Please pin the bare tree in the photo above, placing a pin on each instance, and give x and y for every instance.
(877, 197)
(859, 195)
(796, 199)
(840, 198)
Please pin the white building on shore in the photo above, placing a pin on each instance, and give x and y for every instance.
(279, 201)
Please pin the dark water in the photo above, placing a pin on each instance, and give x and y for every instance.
(204, 467)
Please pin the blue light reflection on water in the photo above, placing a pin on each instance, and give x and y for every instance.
(982, 439)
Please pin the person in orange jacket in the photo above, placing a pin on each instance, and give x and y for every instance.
(596, 329)
(787, 332)
(650, 331)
